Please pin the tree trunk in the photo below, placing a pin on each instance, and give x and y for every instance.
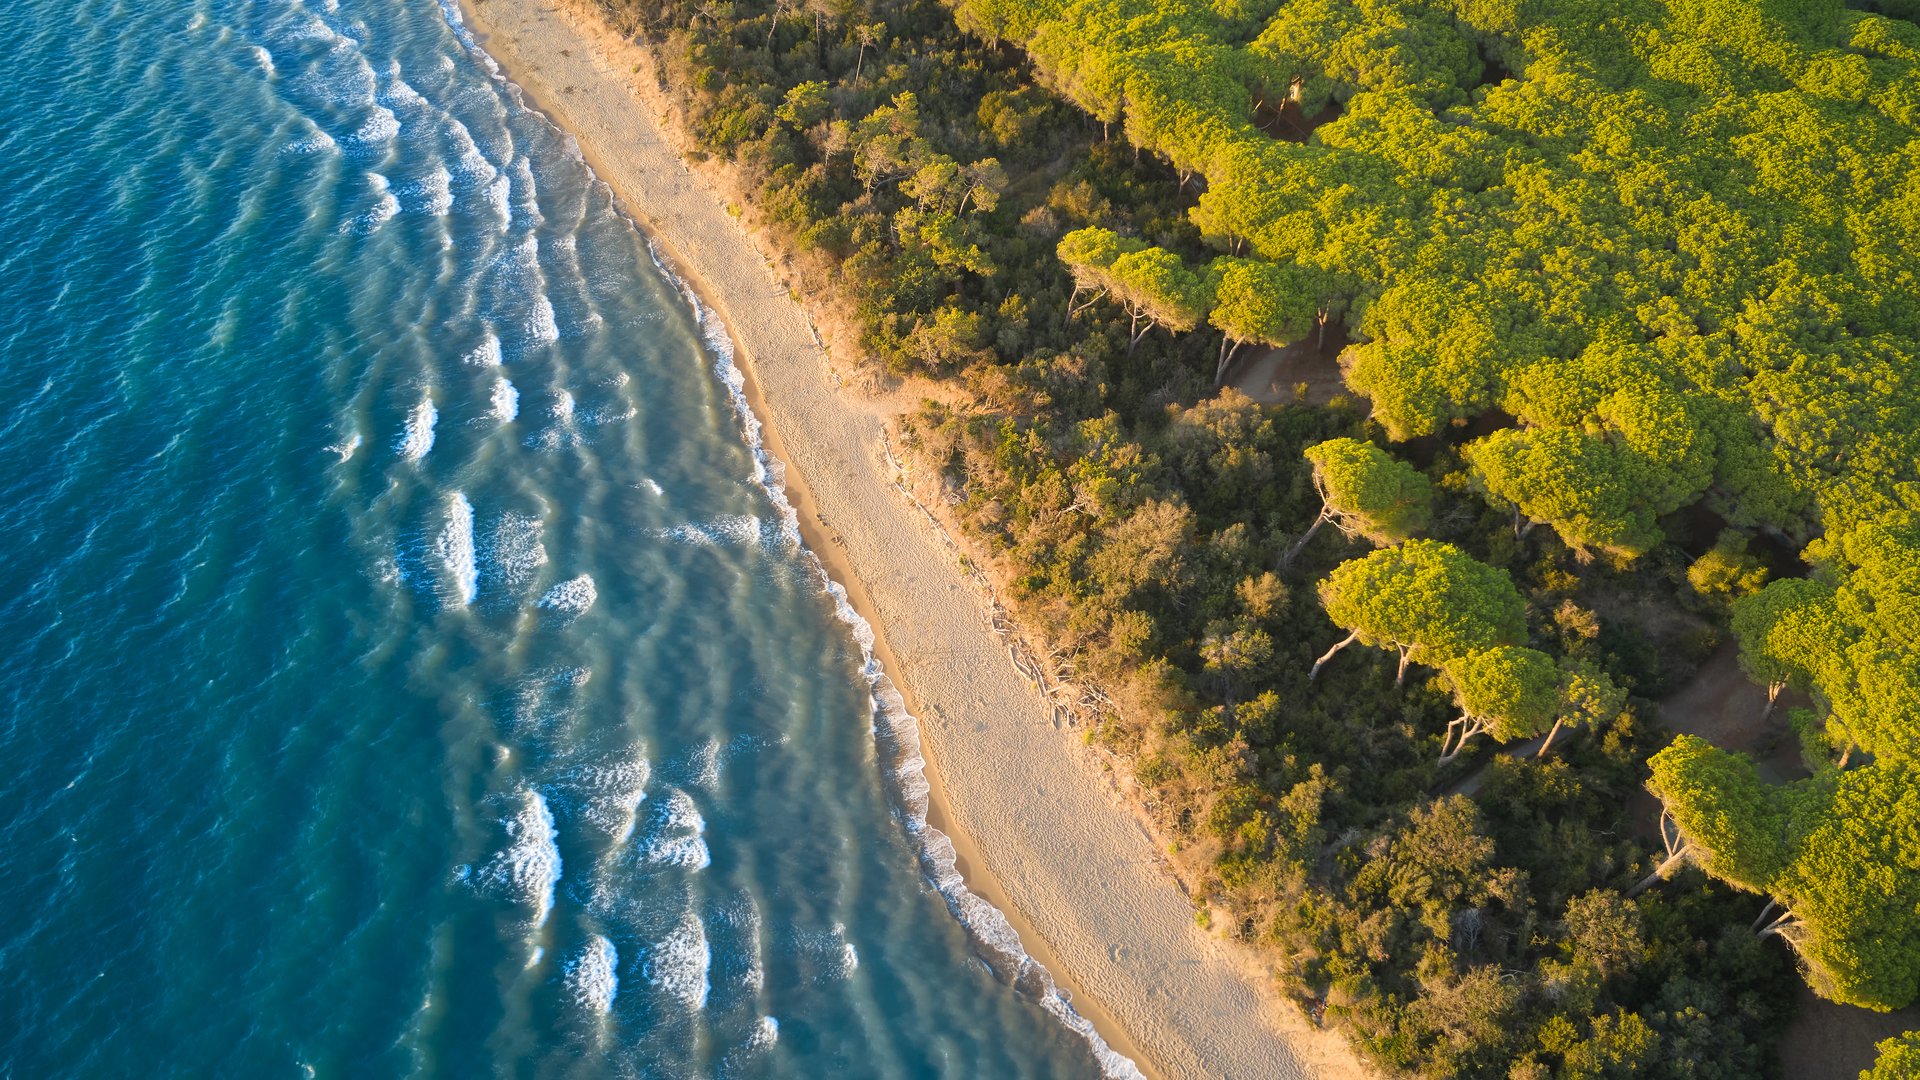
(1140, 333)
(1780, 926)
(1400, 677)
(1545, 746)
(1330, 654)
(1660, 871)
(1326, 514)
(1847, 755)
(1764, 912)
(1228, 347)
(1469, 728)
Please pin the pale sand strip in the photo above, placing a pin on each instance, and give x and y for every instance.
(1040, 830)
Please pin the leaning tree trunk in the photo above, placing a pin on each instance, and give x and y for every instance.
(1326, 515)
(1780, 926)
(1659, 872)
(1468, 727)
(1678, 850)
(1545, 746)
(1330, 654)
(1400, 677)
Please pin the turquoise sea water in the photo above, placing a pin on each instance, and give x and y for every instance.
(405, 664)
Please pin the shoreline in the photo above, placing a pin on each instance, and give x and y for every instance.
(1138, 971)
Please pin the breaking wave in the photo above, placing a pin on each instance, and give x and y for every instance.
(571, 597)
(676, 833)
(678, 965)
(455, 548)
(592, 976)
(505, 400)
(528, 870)
(417, 439)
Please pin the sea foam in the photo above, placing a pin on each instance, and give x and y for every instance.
(676, 833)
(514, 551)
(505, 400)
(486, 354)
(678, 965)
(433, 193)
(418, 437)
(592, 975)
(541, 326)
(610, 793)
(455, 548)
(345, 448)
(379, 127)
(571, 597)
(529, 869)
(385, 208)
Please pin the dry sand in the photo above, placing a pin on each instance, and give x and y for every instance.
(1040, 830)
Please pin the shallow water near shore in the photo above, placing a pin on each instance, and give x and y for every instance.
(409, 662)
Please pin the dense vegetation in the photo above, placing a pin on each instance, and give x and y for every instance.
(1637, 271)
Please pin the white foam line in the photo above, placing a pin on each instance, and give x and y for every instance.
(505, 400)
(455, 547)
(896, 731)
(418, 437)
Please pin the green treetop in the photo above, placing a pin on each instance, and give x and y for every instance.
(1509, 692)
(1688, 277)
(1579, 484)
(1366, 491)
(1261, 302)
(1152, 285)
(1847, 638)
(1427, 600)
(1588, 698)
(1899, 1059)
(1513, 692)
(1837, 854)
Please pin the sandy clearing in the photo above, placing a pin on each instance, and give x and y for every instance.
(1040, 830)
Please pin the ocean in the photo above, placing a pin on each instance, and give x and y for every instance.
(409, 661)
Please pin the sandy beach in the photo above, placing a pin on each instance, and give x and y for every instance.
(1040, 831)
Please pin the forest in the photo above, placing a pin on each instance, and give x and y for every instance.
(1637, 271)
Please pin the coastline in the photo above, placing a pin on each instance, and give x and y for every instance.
(1030, 818)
